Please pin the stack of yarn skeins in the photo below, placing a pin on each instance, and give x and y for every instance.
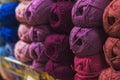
(111, 21)
(87, 38)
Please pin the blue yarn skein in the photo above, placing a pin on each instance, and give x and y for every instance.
(7, 14)
(9, 34)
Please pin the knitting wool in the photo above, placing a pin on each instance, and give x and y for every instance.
(89, 67)
(38, 66)
(86, 41)
(88, 13)
(111, 19)
(3, 51)
(62, 0)
(39, 33)
(112, 52)
(23, 32)
(60, 16)
(20, 10)
(10, 48)
(57, 48)
(2, 41)
(37, 12)
(7, 14)
(9, 34)
(36, 52)
(109, 74)
(58, 71)
(22, 51)
(6, 1)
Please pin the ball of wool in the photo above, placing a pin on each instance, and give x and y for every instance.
(20, 10)
(88, 13)
(9, 34)
(23, 32)
(89, 67)
(3, 51)
(82, 39)
(36, 52)
(7, 14)
(6, 1)
(109, 74)
(111, 19)
(58, 71)
(57, 48)
(60, 16)
(34, 13)
(22, 51)
(38, 66)
(111, 51)
(10, 48)
(39, 33)
(2, 41)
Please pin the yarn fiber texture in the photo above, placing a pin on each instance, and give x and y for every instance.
(60, 17)
(57, 48)
(109, 74)
(81, 41)
(88, 13)
(23, 33)
(7, 14)
(111, 19)
(20, 11)
(34, 13)
(58, 71)
(89, 67)
(39, 33)
(112, 52)
(36, 52)
(22, 51)
(38, 66)
(9, 33)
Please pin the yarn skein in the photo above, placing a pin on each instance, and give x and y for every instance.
(39, 33)
(81, 41)
(22, 51)
(7, 14)
(36, 52)
(60, 17)
(58, 71)
(20, 11)
(111, 19)
(38, 66)
(23, 33)
(109, 74)
(88, 13)
(89, 67)
(34, 13)
(112, 52)
(57, 48)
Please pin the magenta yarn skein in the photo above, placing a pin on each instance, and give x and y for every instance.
(20, 10)
(57, 48)
(39, 33)
(58, 71)
(38, 66)
(86, 41)
(36, 52)
(89, 67)
(60, 16)
(88, 13)
(22, 51)
(23, 33)
(34, 13)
